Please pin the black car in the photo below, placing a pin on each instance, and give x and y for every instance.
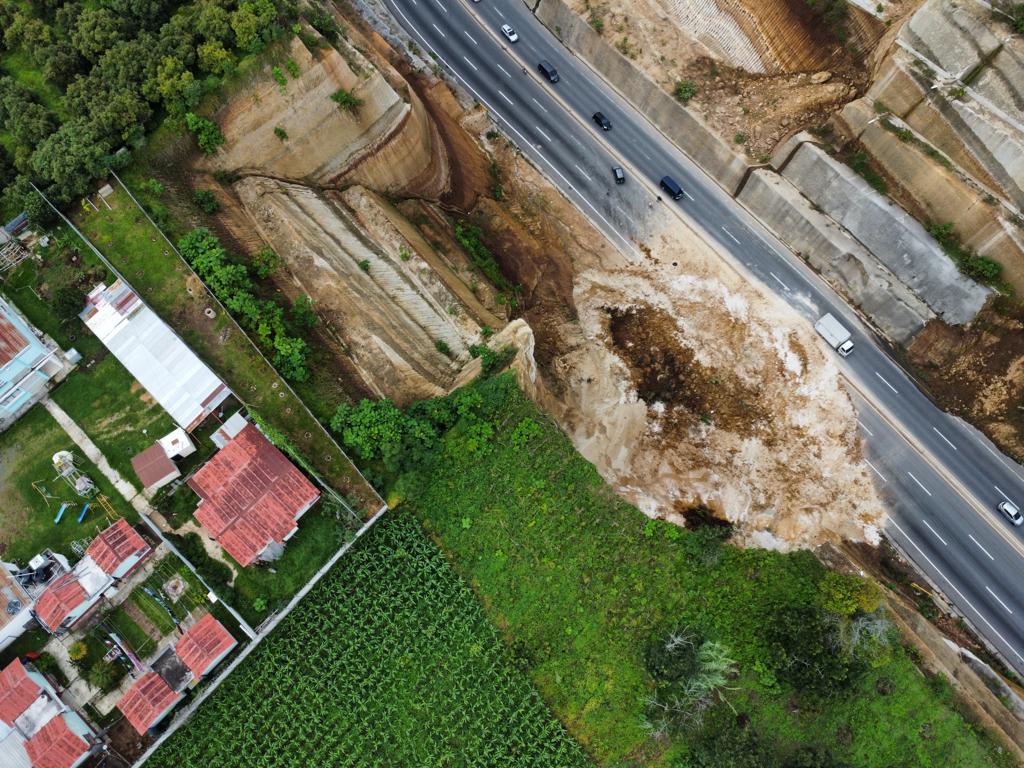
(619, 174)
(602, 121)
(548, 71)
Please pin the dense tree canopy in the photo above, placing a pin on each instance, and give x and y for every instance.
(108, 69)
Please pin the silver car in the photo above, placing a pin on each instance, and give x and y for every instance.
(510, 33)
(1011, 511)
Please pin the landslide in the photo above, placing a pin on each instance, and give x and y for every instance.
(977, 371)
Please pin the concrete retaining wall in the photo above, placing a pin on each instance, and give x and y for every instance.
(681, 126)
(840, 259)
(896, 239)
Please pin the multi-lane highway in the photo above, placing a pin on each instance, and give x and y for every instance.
(940, 476)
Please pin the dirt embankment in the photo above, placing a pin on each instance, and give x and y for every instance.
(977, 371)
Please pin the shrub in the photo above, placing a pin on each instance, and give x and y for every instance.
(365, 265)
(207, 132)
(807, 651)
(281, 133)
(442, 346)
(859, 163)
(302, 311)
(977, 267)
(469, 237)
(293, 68)
(347, 100)
(265, 262)
(685, 90)
(152, 187)
(77, 650)
(740, 137)
(103, 676)
(205, 201)
(279, 78)
(596, 22)
(69, 301)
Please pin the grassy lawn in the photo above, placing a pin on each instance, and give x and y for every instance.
(136, 248)
(582, 583)
(26, 518)
(126, 628)
(389, 661)
(18, 64)
(115, 411)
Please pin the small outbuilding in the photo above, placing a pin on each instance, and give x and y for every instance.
(154, 468)
(118, 549)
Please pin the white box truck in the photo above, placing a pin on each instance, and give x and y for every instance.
(835, 334)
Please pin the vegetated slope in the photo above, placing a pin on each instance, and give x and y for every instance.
(582, 584)
(389, 661)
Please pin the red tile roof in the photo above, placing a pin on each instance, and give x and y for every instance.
(203, 645)
(55, 746)
(251, 495)
(60, 598)
(152, 465)
(11, 341)
(116, 544)
(17, 692)
(146, 701)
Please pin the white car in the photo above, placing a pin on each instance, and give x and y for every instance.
(1012, 513)
(510, 33)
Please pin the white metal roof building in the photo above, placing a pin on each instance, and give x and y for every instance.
(169, 370)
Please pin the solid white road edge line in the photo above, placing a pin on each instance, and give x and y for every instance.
(954, 588)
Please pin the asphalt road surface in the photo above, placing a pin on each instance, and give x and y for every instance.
(941, 477)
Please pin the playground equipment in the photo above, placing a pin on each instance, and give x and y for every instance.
(81, 483)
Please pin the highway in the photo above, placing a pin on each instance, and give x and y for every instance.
(941, 478)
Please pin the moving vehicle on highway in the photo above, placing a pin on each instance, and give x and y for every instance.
(548, 71)
(670, 186)
(835, 333)
(602, 121)
(619, 174)
(510, 33)
(1011, 511)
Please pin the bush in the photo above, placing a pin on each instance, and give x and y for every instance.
(205, 201)
(302, 312)
(976, 267)
(442, 346)
(281, 133)
(347, 100)
(69, 301)
(207, 132)
(214, 572)
(469, 237)
(104, 676)
(265, 262)
(807, 651)
(685, 90)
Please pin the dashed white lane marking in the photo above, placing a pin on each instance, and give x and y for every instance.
(870, 433)
(496, 8)
(470, 37)
(777, 280)
(646, 155)
(911, 474)
(620, 210)
(439, 5)
(948, 442)
(688, 195)
(876, 471)
(936, 533)
(998, 600)
(731, 237)
(470, 64)
(506, 98)
(1003, 462)
(954, 588)
(890, 386)
(442, 34)
(538, 104)
(537, 128)
(980, 547)
(582, 172)
(504, 70)
(1003, 494)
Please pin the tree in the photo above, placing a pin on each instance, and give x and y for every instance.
(205, 201)
(253, 23)
(207, 132)
(302, 312)
(290, 357)
(846, 595)
(213, 23)
(373, 429)
(96, 31)
(807, 651)
(265, 262)
(62, 63)
(214, 58)
(69, 301)
(70, 159)
(177, 86)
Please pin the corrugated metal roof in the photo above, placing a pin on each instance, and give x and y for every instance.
(17, 692)
(12, 340)
(171, 372)
(147, 701)
(116, 544)
(204, 644)
(56, 746)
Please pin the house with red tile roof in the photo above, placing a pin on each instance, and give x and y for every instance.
(118, 549)
(251, 497)
(37, 730)
(55, 745)
(204, 645)
(147, 702)
(62, 604)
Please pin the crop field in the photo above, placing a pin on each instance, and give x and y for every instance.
(389, 661)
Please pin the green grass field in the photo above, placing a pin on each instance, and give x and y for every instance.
(26, 517)
(389, 661)
(115, 411)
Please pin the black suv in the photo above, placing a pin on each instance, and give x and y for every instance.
(602, 121)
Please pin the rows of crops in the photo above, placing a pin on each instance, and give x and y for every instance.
(389, 661)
